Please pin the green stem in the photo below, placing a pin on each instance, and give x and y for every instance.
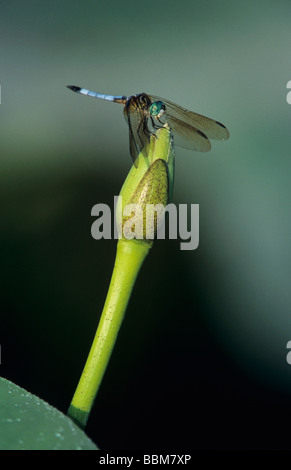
(129, 259)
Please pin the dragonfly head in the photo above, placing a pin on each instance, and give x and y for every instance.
(157, 109)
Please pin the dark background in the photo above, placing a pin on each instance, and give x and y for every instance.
(200, 361)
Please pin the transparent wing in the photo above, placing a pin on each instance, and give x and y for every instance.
(138, 134)
(187, 136)
(211, 128)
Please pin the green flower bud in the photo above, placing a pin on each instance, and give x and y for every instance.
(148, 186)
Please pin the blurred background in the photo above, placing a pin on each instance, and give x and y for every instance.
(200, 361)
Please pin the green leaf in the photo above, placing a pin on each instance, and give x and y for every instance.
(29, 423)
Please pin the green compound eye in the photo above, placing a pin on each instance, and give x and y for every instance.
(157, 108)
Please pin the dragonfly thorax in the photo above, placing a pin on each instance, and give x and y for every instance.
(143, 100)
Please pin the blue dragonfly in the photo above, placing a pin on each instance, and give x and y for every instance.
(145, 113)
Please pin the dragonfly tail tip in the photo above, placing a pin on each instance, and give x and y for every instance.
(74, 88)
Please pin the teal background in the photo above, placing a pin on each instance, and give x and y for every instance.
(200, 361)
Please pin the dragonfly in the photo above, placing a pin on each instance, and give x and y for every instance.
(146, 113)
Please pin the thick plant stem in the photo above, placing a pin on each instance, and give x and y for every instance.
(147, 184)
(129, 259)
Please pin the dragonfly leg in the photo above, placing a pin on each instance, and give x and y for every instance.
(155, 126)
(143, 130)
